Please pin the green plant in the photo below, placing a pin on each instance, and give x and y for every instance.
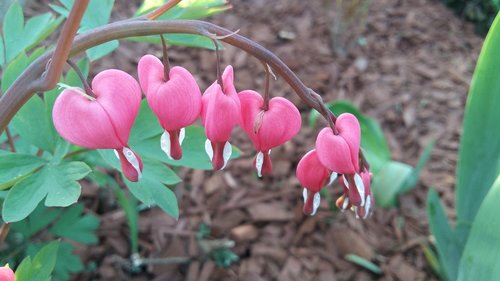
(470, 249)
(481, 12)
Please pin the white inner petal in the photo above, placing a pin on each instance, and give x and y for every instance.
(333, 177)
(209, 150)
(345, 204)
(361, 188)
(182, 135)
(346, 183)
(316, 201)
(269, 152)
(226, 154)
(132, 159)
(304, 195)
(116, 154)
(259, 161)
(165, 143)
(368, 206)
(355, 210)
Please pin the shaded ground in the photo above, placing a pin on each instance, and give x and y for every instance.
(412, 75)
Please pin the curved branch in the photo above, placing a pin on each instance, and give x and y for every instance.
(31, 82)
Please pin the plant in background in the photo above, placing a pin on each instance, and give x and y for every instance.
(470, 250)
(348, 21)
(108, 125)
(481, 12)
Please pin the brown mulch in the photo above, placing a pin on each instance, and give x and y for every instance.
(412, 75)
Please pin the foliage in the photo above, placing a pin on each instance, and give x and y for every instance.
(44, 167)
(481, 12)
(390, 178)
(471, 248)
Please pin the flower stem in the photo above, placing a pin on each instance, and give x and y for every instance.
(161, 10)
(166, 63)
(10, 140)
(267, 94)
(219, 73)
(29, 81)
(86, 85)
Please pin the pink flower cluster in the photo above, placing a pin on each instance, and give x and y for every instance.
(105, 120)
(337, 154)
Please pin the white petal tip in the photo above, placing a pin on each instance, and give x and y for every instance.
(165, 143)
(333, 177)
(182, 135)
(209, 150)
(226, 154)
(259, 161)
(132, 159)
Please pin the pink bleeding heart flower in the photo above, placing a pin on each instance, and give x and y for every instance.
(176, 102)
(6, 274)
(340, 153)
(103, 121)
(267, 128)
(220, 113)
(357, 194)
(313, 176)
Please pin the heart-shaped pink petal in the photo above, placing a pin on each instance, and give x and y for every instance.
(84, 122)
(176, 102)
(150, 72)
(220, 113)
(220, 110)
(349, 129)
(339, 153)
(119, 94)
(311, 173)
(270, 128)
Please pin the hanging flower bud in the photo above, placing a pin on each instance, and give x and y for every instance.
(267, 128)
(220, 113)
(340, 153)
(313, 176)
(6, 274)
(103, 121)
(176, 101)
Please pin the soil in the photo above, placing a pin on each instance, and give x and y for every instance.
(411, 73)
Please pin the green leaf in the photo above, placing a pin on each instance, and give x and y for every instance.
(13, 30)
(42, 265)
(151, 189)
(57, 183)
(388, 183)
(102, 50)
(479, 154)
(13, 70)
(32, 124)
(190, 9)
(97, 14)
(146, 125)
(412, 179)
(75, 225)
(375, 147)
(447, 244)
(38, 220)
(67, 263)
(481, 255)
(364, 263)
(129, 206)
(189, 40)
(2, 53)
(20, 38)
(14, 167)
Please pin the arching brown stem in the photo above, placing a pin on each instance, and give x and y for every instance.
(31, 80)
